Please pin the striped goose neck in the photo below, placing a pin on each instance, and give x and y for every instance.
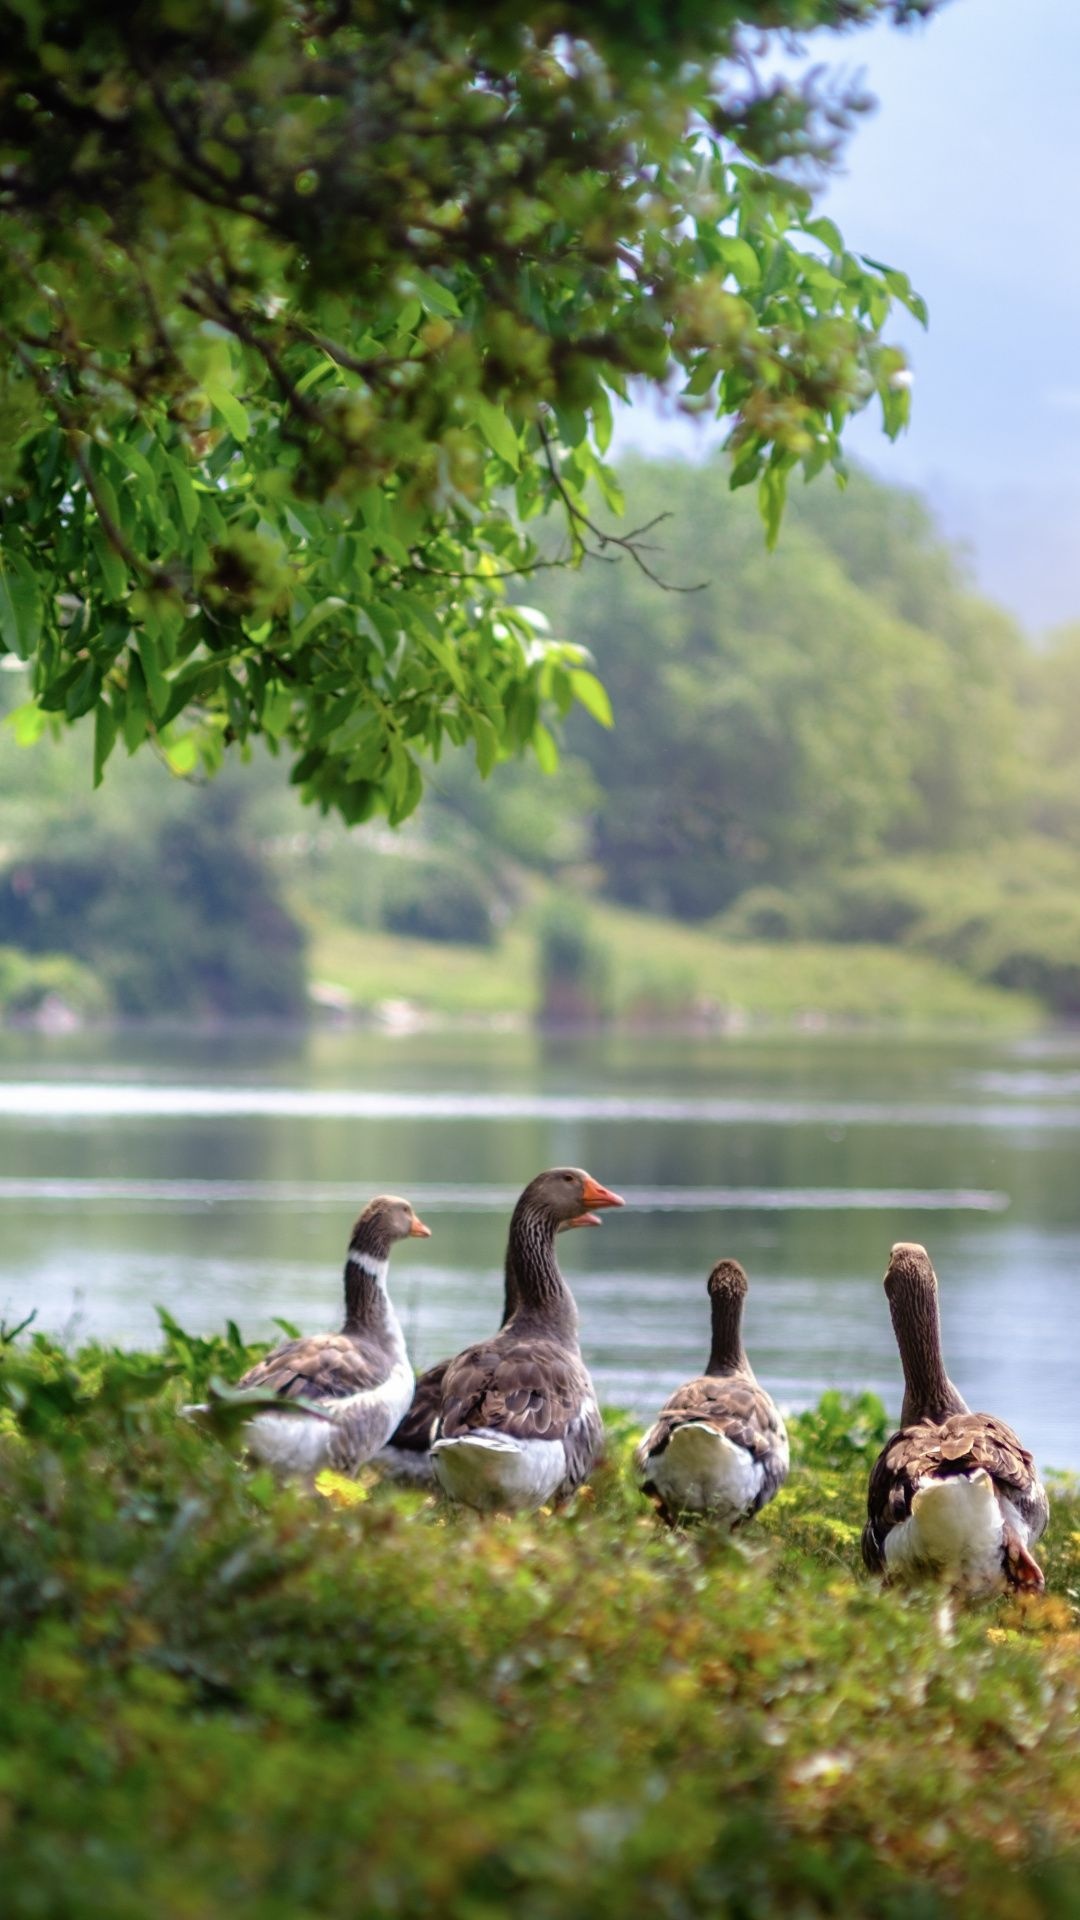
(544, 1300)
(367, 1304)
(929, 1394)
(727, 1353)
(511, 1290)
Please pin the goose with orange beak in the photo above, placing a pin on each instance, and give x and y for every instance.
(519, 1425)
(342, 1394)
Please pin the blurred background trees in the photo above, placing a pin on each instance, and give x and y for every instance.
(836, 743)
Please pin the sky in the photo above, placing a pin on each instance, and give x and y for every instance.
(967, 176)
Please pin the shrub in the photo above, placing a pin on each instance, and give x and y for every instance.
(30, 983)
(217, 1691)
(185, 921)
(439, 900)
(1034, 946)
(575, 967)
(883, 903)
(764, 913)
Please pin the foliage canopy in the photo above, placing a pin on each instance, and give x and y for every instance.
(307, 310)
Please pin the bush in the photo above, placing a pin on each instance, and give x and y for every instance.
(764, 913)
(883, 903)
(186, 921)
(219, 1691)
(439, 900)
(1034, 947)
(575, 967)
(31, 983)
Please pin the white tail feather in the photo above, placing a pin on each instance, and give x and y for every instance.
(492, 1471)
(701, 1470)
(956, 1529)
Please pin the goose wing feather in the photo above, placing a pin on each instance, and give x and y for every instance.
(322, 1366)
(930, 1451)
(738, 1408)
(528, 1390)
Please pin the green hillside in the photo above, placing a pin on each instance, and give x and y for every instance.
(837, 784)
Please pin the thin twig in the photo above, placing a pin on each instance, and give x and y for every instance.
(627, 542)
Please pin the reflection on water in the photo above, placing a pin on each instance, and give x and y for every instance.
(219, 1178)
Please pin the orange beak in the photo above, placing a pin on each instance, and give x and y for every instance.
(418, 1231)
(594, 1195)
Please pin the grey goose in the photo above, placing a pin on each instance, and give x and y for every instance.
(718, 1446)
(519, 1425)
(358, 1382)
(953, 1494)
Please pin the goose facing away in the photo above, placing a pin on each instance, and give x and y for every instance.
(519, 1424)
(406, 1456)
(359, 1380)
(719, 1446)
(953, 1494)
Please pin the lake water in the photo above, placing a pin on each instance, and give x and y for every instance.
(219, 1177)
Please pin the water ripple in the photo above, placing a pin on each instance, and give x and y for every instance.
(165, 1195)
(62, 1101)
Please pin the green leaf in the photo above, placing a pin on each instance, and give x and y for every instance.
(434, 296)
(20, 605)
(113, 568)
(135, 710)
(277, 711)
(603, 423)
(186, 497)
(547, 753)
(104, 738)
(497, 430)
(156, 684)
(183, 754)
(772, 492)
(739, 258)
(592, 695)
(27, 723)
(84, 692)
(827, 232)
(487, 745)
(314, 374)
(225, 402)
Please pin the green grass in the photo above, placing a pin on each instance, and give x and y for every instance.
(220, 1696)
(660, 971)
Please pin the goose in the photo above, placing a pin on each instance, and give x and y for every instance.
(406, 1456)
(354, 1385)
(519, 1425)
(953, 1493)
(719, 1446)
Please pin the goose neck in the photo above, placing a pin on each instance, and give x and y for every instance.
(367, 1303)
(511, 1290)
(929, 1394)
(543, 1299)
(727, 1353)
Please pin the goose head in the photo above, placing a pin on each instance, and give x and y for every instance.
(384, 1221)
(568, 1197)
(727, 1283)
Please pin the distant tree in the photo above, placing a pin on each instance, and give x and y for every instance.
(182, 919)
(844, 699)
(305, 309)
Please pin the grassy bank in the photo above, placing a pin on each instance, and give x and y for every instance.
(220, 1696)
(662, 970)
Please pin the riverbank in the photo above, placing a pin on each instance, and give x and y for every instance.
(216, 1692)
(660, 972)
